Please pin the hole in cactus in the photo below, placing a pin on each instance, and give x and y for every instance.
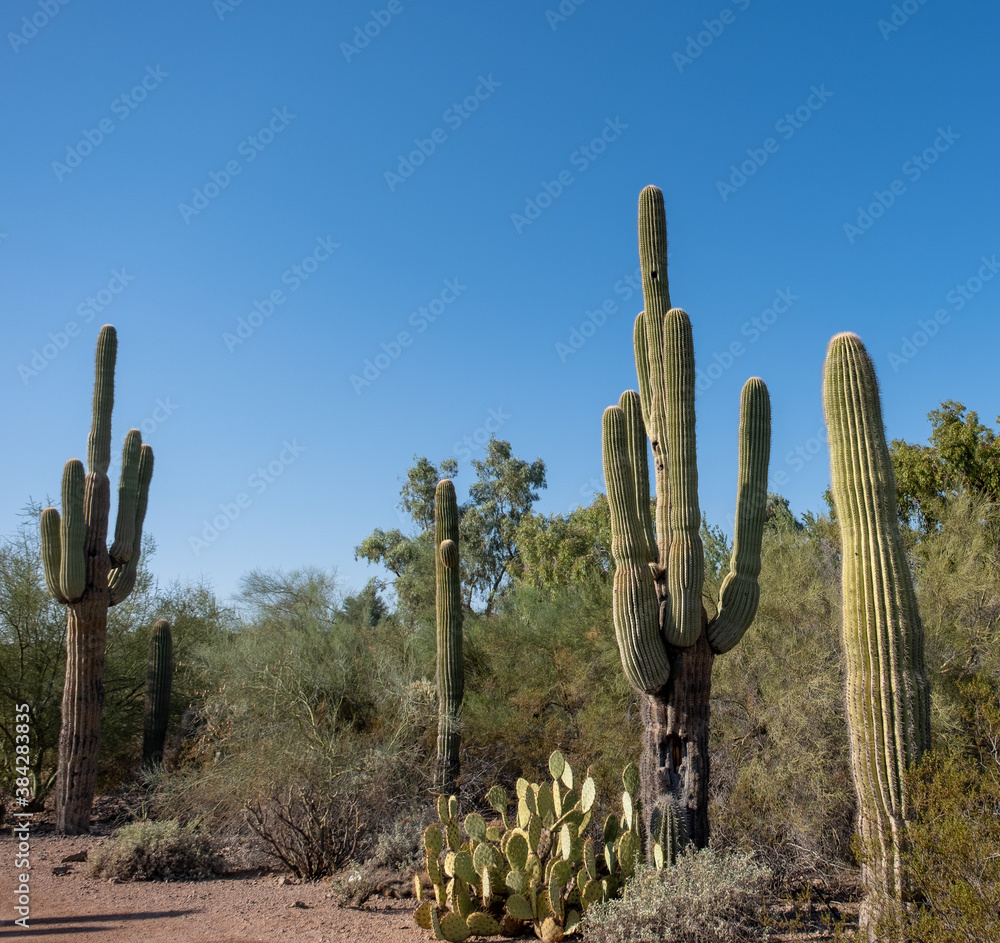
(652, 275)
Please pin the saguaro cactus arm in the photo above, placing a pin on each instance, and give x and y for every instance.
(635, 606)
(740, 590)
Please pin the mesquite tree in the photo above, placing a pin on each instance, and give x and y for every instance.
(83, 573)
(666, 641)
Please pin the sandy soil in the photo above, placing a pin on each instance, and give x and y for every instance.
(244, 907)
(248, 906)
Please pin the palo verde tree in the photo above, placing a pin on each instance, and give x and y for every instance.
(82, 573)
(666, 641)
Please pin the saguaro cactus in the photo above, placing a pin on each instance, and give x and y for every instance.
(666, 641)
(159, 677)
(81, 572)
(450, 668)
(887, 692)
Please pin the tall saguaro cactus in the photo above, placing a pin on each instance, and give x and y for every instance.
(83, 573)
(665, 638)
(159, 678)
(450, 667)
(887, 691)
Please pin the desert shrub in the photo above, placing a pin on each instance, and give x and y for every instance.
(954, 855)
(148, 851)
(545, 672)
(707, 897)
(304, 694)
(313, 835)
(781, 783)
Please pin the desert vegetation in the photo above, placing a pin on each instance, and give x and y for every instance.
(331, 727)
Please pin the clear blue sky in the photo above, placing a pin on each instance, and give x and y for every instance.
(174, 162)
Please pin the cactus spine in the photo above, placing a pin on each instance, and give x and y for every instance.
(666, 641)
(159, 676)
(887, 689)
(450, 667)
(81, 572)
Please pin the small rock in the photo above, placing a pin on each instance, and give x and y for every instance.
(114, 880)
(300, 905)
(79, 856)
(59, 872)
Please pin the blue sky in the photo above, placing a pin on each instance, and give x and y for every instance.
(335, 236)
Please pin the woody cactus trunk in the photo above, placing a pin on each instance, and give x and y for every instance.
(450, 667)
(666, 641)
(887, 691)
(159, 676)
(83, 573)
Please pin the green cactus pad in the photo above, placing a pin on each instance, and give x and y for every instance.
(453, 928)
(517, 851)
(630, 778)
(464, 868)
(498, 799)
(475, 826)
(452, 835)
(483, 924)
(588, 793)
(557, 763)
(573, 918)
(519, 908)
(442, 809)
(517, 881)
(422, 916)
(493, 833)
(550, 931)
(433, 839)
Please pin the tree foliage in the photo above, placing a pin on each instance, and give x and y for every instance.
(963, 455)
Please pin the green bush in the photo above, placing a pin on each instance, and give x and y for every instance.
(706, 897)
(954, 856)
(149, 851)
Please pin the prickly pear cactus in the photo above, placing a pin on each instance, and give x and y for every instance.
(533, 866)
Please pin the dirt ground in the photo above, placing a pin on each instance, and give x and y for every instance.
(245, 906)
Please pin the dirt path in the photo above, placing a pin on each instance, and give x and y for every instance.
(248, 907)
